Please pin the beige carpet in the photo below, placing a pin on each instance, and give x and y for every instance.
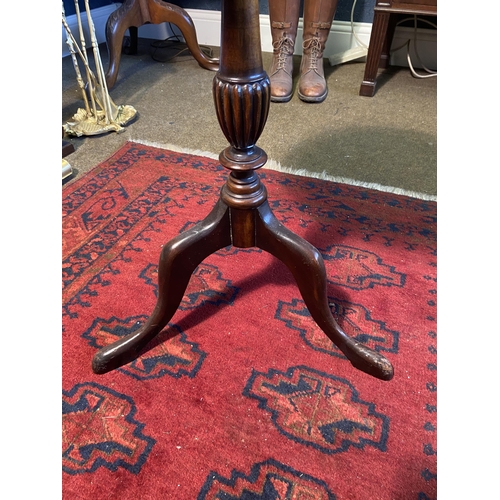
(388, 141)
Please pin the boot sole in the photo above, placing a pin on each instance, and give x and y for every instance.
(285, 98)
(318, 99)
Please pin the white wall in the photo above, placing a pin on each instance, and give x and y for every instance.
(207, 24)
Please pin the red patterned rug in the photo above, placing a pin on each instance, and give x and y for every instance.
(242, 396)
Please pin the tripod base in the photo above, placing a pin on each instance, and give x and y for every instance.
(243, 228)
(135, 13)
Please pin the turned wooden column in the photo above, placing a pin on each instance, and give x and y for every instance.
(241, 91)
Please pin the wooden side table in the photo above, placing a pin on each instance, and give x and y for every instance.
(384, 24)
(242, 216)
(134, 13)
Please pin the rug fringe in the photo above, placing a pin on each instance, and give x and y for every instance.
(177, 149)
(275, 165)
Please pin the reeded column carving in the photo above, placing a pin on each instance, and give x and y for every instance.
(242, 110)
(242, 95)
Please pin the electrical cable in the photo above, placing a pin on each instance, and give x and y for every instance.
(415, 19)
(352, 27)
(175, 42)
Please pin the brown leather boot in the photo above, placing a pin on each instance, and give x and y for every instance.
(284, 16)
(318, 17)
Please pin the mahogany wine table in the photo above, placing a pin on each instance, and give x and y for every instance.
(134, 13)
(242, 216)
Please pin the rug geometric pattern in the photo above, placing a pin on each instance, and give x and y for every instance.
(242, 396)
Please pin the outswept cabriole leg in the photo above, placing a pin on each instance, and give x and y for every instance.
(170, 13)
(179, 258)
(126, 16)
(307, 266)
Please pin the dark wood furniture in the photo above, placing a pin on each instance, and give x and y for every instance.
(67, 148)
(242, 216)
(134, 13)
(384, 25)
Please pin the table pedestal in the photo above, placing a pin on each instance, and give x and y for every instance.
(242, 216)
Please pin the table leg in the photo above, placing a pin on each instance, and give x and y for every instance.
(163, 12)
(132, 14)
(307, 267)
(377, 37)
(385, 57)
(179, 258)
(126, 16)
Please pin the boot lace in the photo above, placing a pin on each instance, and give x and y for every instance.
(314, 45)
(285, 47)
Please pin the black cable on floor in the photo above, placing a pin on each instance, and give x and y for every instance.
(175, 43)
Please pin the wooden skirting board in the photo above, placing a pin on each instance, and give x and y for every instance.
(67, 148)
